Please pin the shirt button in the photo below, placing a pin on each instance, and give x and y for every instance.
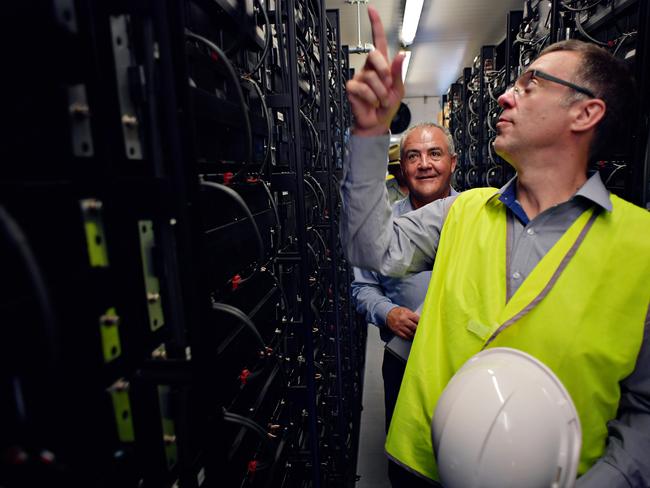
(530, 231)
(516, 275)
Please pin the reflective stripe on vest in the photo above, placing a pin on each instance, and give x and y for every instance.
(581, 311)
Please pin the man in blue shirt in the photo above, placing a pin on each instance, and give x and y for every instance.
(427, 159)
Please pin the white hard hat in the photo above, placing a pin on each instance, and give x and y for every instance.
(505, 420)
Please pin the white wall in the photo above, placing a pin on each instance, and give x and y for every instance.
(423, 109)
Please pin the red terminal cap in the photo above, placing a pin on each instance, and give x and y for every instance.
(227, 177)
(252, 466)
(236, 281)
(243, 377)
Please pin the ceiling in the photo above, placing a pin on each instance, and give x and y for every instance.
(450, 34)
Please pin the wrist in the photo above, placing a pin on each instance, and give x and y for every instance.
(379, 130)
(387, 309)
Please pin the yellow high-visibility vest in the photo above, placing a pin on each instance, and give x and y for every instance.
(581, 311)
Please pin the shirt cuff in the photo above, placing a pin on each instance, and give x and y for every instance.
(381, 312)
(370, 158)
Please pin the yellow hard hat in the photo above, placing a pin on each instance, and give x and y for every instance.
(393, 154)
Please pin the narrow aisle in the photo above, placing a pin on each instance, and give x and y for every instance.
(372, 463)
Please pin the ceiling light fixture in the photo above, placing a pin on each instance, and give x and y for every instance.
(412, 12)
(405, 64)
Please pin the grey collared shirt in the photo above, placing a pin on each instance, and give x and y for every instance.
(374, 240)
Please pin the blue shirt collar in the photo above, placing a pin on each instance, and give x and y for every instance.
(593, 190)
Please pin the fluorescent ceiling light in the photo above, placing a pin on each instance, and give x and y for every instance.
(412, 12)
(405, 64)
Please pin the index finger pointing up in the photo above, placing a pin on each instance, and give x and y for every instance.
(378, 34)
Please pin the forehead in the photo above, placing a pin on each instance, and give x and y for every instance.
(563, 64)
(427, 136)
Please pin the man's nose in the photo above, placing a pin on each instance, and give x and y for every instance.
(425, 161)
(507, 99)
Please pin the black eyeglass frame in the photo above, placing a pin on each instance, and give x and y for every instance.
(545, 76)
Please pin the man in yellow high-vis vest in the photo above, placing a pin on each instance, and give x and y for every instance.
(551, 263)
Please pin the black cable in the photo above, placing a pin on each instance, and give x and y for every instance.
(10, 229)
(313, 251)
(273, 205)
(269, 126)
(622, 39)
(320, 238)
(237, 86)
(254, 427)
(312, 74)
(279, 27)
(579, 9)
(240, 201)
(311, 187)
(243, 318)
(587, 36)
(318, 185)
(267, 40)
(313, 129)
(280, 287)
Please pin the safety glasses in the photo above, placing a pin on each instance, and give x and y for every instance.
(524, 80)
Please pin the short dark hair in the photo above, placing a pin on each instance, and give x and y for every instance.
(611, 81)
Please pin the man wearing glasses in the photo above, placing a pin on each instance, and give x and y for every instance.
(551, 264)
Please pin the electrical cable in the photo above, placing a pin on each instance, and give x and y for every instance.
(279, 27)
(10, 229)
(244, 319)
(280, 287)
(622, 39)
(278, 225)
(617, 168)
(579, 9)
(318, 185)
(320, 238)
(316, 258)
(269, 126)
(240, 94)
(311, 187)
(240, 201)
(587, 36)
(313, 128)
(253, 427)
(267, 40)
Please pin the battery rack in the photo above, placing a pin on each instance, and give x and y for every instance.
(176, 302)
(471, 111)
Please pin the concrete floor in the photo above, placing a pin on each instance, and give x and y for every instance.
(372, 464)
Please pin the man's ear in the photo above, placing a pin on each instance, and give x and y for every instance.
(588, 114)
(454, 160)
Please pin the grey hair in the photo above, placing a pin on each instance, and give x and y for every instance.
(450, 140)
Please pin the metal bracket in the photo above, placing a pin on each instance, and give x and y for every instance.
(66, 15)
(119, 392)
(359, 48)
(151, 281)
(91, 210)
(109, 328)
(122, 57)
(168, 427)
(79, 113)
